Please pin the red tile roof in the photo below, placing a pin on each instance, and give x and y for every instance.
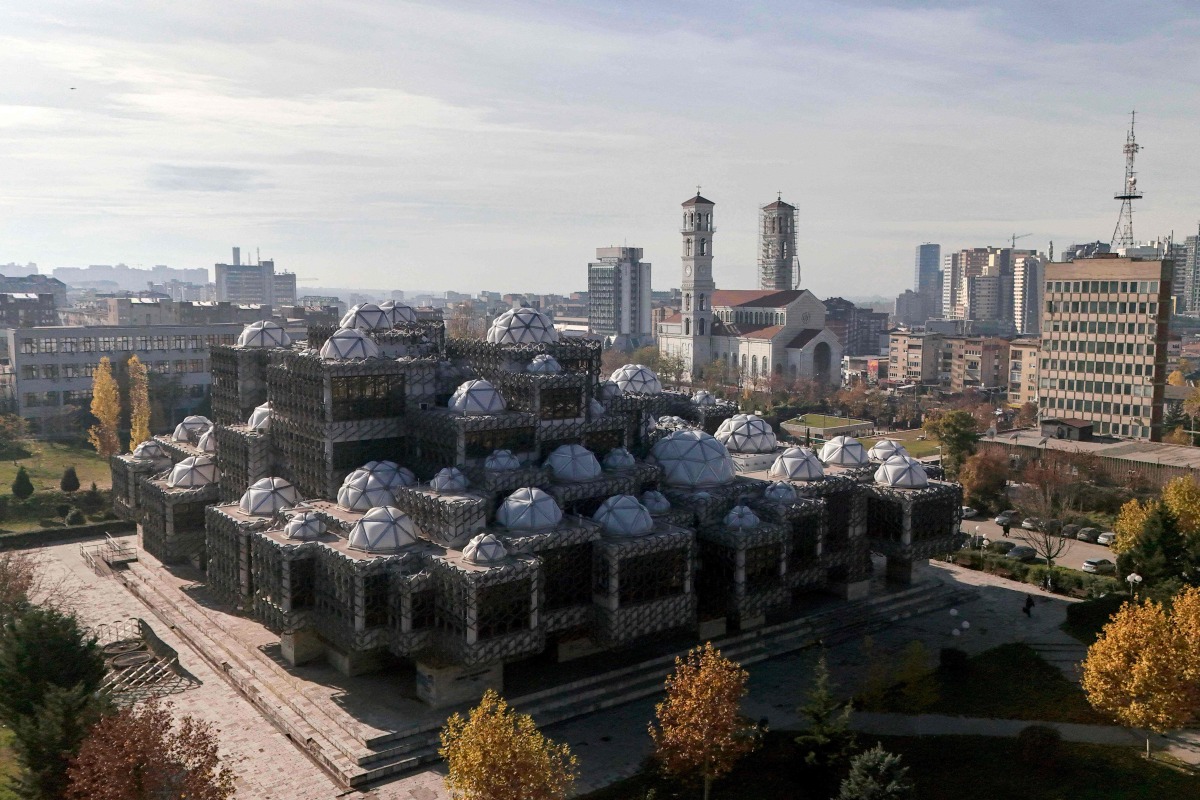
(758, 298)
(672, 318)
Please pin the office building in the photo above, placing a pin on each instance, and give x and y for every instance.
(1023, 371)
(27, 310)
(916, 358)
(619, 297)
(977, 362)
(250, 283)
(1027, 294)
(858, 329)
(35, 284)
(1191, 274)
(283, 288)
(1104, 344)
(926, 272)
(52, 367)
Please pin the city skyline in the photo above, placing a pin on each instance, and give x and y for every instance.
(396, 141)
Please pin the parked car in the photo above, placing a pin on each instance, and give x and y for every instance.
(1021, 553)
(969, 513)
(1051, 526)
(1005, 518)
(1106, 538)
(1070, 531)
(1098, 565)
(1088, 535)
(1002, 547)
(1030, 523)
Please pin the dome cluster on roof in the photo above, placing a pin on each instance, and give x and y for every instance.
(742, 517)
(619, 458)
(623, 515)
(522, 326)
(476, 399)
(780, 492)
(692, 458)
(193, 473)
(398, 312)
(544, 364)
(484, 549)
(191, 429)
(260, 418)
(902, 472)
(348, 344)
(264, 333)
(151, 451)
(305, 526)
(746, 433)
(385, 529)
(885, 449)
(636, 379)
(529, 509)
(208, 442)
(797, 464)
(844, 451)
(449, 479)
(268, 496)
(501, 461)
(367, 317)
(655, 502)
(362, 491)
(572, 463)
(704, 398)
(389, 473)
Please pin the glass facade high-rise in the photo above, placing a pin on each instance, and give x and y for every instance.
(928, 265)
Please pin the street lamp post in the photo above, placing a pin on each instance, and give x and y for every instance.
(1134, 580)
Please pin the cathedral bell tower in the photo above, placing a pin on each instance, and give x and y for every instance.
(698, 283)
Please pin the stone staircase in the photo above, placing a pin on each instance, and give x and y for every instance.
(356, 756)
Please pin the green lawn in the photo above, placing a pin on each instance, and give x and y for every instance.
(917, 448)
(1007, 682)
(826, 421)
(48, 461)
(8, 765)
(947, 768)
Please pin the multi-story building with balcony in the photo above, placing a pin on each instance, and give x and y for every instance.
(977, 362)
(915, 357)
(1023, 371)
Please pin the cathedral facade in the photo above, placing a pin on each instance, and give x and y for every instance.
(775, 330)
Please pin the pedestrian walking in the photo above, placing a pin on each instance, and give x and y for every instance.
(1006, 526)
(1028, 608)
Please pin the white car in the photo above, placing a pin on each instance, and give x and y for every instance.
(1106, 538)
(969, 513)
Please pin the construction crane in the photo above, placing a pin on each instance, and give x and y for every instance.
(1014, 238)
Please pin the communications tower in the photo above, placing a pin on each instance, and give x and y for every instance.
(1123, 233)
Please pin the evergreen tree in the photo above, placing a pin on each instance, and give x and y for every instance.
(139, 402)
(1158, 553)
(827, 742)
(106, 408)
(876, 775)
(22, 487)
(46, 742)
(69, 481)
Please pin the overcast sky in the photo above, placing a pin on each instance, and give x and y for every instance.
(495, 145)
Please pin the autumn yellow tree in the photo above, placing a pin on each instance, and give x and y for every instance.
(1176, 378)
(106, 408)
(701, 732)
(139, 402)
(1128, 527)
(1182, 496)
(498, 754)
(1143, 669)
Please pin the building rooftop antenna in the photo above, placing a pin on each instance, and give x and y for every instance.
(1123, 233)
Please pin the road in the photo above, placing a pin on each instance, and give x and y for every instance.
(1077, 552)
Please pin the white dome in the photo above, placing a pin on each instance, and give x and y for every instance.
(655, 502)
(397, 312)
(151, 450)
(192, 473)
(692, 458)
(572, 463)
(623, 515)
(636, 379)
(902, 472)
(191, 429)
(596, 408)
(529, 509)
(476, 399)
(501, 461)
(544, 364)
(347, 344)
(741, 517)
(384, 529)
(746, 433)
(844, 451)
(449, 479)
(484, 549)
(269, 496)
(389, 473)
(362, 491)
(619, 458)
(522, 326)
(208, 442)
(264, 333)
(260, 418)
(305, 526)
(780, 492)
(609, 390)
(704, 398)
(367, 317)
(797, 464)
(885, 449)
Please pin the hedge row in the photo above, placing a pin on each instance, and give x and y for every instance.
(1066, 580)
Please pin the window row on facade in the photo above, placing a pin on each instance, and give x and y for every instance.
(1102, 287)
(1097, 367)
(1106, 328)
(33, 372)
(1099, 387)
(106, 344)
(1100, 307)
(1101, 347)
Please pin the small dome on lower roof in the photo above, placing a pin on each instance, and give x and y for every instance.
(797, 464)
(484, 549)
(384, 529)
(264, 333)
(191, 429)
(608, 390)
(268, 496)
(348, 344)
(692, 459)
(367, 317)
(844, 451)
(363, 490)
(636, 379)
(260, 418)
(746, 433)
(389, 473)
(704, 398)
(885, 449)
(902, 472)
(780, 492)
(619, 458)
(449, 480)
(529, 509)
(742, 517)
(150, 449)
(208, 442)
(544, 364)
(655, 502)
(623, 515)
(501, 461)
(476, 398)
(193, 472)
(572, 463)
(305, 526)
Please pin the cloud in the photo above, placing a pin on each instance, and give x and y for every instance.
(179, 178)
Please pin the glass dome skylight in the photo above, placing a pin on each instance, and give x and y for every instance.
(623, 515)
(193, 473)
(529, 509)
(476, 399)
(348, 344)
(797, 464)
(902, 472)
(692, 458)
(572, 463)
(385, 529)
(264, 333)
(522, 326)
(269, 496)
(844, 451)
(484, 549)
(636, 379)
(746, 433)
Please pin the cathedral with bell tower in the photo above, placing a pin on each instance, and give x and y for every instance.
(750, 335)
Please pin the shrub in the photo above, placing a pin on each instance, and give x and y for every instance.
(952, 659)
(76, 517)
(93, 499)
(22, 487)
(1088, 617)
(1019, 570)
(1039, 745)
(69, 481)
(3, 508)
